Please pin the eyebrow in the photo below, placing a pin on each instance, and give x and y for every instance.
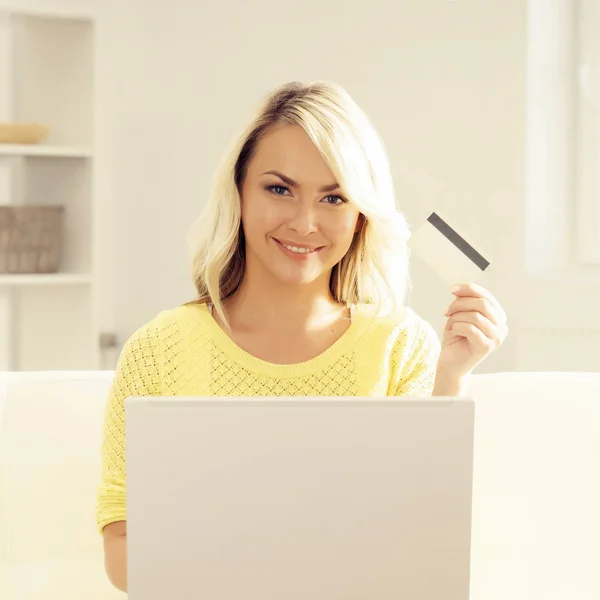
(289, 181)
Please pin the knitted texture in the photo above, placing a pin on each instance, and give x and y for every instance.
(184, 352)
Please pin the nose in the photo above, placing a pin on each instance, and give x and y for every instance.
(304, 219)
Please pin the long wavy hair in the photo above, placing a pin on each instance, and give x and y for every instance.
(375, 268)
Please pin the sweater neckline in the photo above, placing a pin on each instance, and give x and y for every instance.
(359, 323)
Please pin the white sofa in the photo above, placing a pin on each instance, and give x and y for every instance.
(536, 499)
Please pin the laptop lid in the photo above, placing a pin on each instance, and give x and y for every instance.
(299, 498)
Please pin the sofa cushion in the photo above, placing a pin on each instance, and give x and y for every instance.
(536, 486)
(535, 494)
(50, 427)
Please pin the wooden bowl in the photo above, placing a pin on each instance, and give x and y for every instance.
(22, 133)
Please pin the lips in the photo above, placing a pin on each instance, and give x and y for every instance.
(295, 245)
(300, 253)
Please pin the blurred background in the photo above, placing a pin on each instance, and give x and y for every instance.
(489, 109)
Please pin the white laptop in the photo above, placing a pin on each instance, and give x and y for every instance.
(299, 498)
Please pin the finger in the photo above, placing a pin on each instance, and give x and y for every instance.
(480, 305)
(477, 291)
(472, 289)
(476, 319)
(496, 333)
(474, 335)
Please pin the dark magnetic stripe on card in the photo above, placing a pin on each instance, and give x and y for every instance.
(458, 241)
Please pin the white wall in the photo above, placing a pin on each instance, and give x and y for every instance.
(443, 81)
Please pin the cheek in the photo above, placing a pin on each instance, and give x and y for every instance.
(256, 214)
(271, 216)
(261, 214)
(342, 228)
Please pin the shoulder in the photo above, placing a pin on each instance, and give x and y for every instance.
(171, 323)
(403, 322)
(186, 314)
(403, 331)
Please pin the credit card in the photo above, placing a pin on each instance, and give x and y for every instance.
(447, 252)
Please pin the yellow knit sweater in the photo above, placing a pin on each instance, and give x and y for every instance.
(184, 352)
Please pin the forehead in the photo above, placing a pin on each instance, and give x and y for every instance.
(288, 149)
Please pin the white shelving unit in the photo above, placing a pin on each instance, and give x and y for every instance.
(48, 321)
(45, 150)
(45, 280)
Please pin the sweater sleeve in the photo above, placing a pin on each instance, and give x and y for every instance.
(137, 374)
(416, 365)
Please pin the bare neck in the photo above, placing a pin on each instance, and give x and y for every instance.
(281, 307)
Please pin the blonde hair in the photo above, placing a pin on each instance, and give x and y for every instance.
(375, 268)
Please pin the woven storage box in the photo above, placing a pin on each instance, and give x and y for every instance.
(30, 238)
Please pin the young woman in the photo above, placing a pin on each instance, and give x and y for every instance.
(301, 270)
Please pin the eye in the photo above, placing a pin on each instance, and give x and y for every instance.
(334, 200)
(278, 190)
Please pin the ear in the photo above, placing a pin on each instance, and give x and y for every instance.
(360, 223)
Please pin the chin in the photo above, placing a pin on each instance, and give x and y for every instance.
(295, 278)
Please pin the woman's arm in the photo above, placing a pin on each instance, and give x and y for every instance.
(115, 554)
(414, 373)
(476, 327)
(138, 373)
(450, 386)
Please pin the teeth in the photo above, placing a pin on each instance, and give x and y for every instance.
(296, 249)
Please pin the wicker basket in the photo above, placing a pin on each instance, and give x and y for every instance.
(30, 238)
(22, 133)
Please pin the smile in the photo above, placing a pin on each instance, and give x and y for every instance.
(298, 250)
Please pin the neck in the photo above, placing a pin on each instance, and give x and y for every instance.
(282, 307)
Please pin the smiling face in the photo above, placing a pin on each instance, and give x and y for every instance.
(296, 223)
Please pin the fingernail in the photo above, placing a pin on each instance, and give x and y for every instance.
(455, 288)
(447, 311)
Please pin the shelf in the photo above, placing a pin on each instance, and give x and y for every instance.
(51, 279)
(47, 57)
(48, 13)
(45, 151)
